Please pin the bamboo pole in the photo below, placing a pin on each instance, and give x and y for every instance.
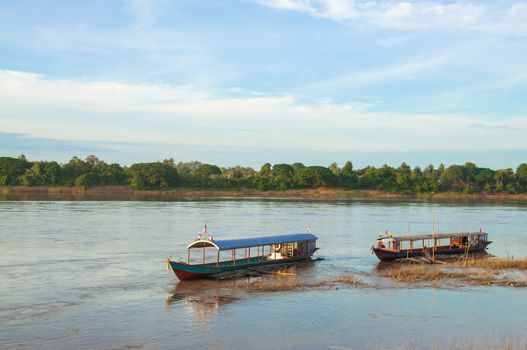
(433, 237)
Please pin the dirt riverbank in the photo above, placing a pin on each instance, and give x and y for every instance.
(127, 193)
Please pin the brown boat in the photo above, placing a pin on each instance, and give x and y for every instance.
(391, 248)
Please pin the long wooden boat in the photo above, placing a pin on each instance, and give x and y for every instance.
(218, 256)
(391, 248)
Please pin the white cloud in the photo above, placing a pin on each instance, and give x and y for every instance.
(113, 111)
(302, 6)
(401, 71)
(414, 15)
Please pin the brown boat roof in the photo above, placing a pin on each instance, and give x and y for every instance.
(432, 236)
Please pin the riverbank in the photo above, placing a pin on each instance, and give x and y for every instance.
(127, 193)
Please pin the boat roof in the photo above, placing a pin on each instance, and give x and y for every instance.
(432, 236)
(225, 244)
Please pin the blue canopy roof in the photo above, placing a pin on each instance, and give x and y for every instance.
(225, 244)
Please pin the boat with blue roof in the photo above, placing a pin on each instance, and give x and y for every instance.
(207, 257)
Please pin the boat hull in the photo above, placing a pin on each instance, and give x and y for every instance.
(391, 255)
(186, 272)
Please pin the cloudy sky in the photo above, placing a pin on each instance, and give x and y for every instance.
(246, 82)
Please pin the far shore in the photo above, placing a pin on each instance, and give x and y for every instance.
(127, 193)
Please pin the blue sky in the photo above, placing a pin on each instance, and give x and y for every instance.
(246, 82)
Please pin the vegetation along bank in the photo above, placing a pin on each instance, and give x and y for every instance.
(296, 179)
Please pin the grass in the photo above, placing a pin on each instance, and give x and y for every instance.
(413, 273)
(494, 344)
(274, 284)
(477, 272)
(493, 263)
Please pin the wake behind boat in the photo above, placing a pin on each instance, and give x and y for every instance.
(207, 257)
(391, 248)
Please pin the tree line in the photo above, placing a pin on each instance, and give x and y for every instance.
(91, 171)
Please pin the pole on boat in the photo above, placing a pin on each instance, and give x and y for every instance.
(433, 238)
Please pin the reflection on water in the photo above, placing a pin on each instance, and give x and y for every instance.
(204, 297)
(91, 274)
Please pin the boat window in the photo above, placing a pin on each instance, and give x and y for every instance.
(194, 256)
(301, 248)
(288, 249)
(443, 242)
(211, 255)
(311, 245)
(418, 244)
(202, 255)
(404, 245)
(225, 255)
(240, 253)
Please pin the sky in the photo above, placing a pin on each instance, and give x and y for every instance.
(254, 81)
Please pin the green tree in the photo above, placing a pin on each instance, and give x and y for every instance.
(239, 176)
(153, 176)
(87, 179)
(207, 170)
(297, 166)
(521, 176)
(187, 169)
(348, 177)
(386, 179)
(334, 168)
(263, 183)
(314, 176)
(504, 180)
(452, 178)
(73, 169)
(111, 174)
(265, 170)
(431, 178)
(484, 180)
(282, 170)
(282, 176)
(418, 181)
(11, 169)
(42, 174)
(368, 178)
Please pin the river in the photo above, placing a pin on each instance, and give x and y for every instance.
(91, 275)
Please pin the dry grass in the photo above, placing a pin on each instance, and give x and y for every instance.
(413, 273)
(494, 344)
(488, 343)
(349, 280)
(493, 263)
(450, 273)
(273, 284)
(266, 284)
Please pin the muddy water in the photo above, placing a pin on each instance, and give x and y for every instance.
(91, 274)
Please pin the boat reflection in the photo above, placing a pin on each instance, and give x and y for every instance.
(203, 298)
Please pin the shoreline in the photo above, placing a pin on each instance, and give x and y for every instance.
(127, 193)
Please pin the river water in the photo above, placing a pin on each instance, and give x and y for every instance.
(91, 275)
